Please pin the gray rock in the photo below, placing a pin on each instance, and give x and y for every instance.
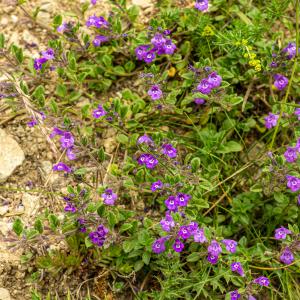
(31, 204)
(11, 155)
(4, 294)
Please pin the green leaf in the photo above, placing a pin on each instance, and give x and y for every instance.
(18, 53)
(53, 221)
(18, 227)
(195, 256)
(195, 163)
(229, 147)
(2, 40)
(125, 227)
(24, 87)
(61, 90)
(128, 246)
(122, 138)
(88, 242)
(138, 265)
(38, 225)
(112, 219)
(80, 171)
(146, 257)
(39, 94)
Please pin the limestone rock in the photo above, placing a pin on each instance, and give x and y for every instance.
(31, 204)
(11, 155)
(4, 294)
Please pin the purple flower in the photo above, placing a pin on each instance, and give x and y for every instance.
(214, 248)
(159, 245)
(193, 227)
(293, 183)
(287, 256)
(98, 237)
(273, 64)
(213, 259)
(38, 63)
(184, 232)
(99, 112)
(71, 154)
(201, 5)
(183, 199)
(271, 120)
(70, 208)
(48, 54)
(141, 51)
(262, 281)
(172, 203)
(149, 57)
(169, 47)
(298, 200)
(290, 154)
(298, 145)
(230, 245)
(56, 131)
(281, 233)
(235, 295)
(151, 162)
(237, 267)
(158, 40)
(93, 2)
(145, 139)
(178, 245)
(157, 185)
(98, 22)
(32, 123)
(167, 223)
(100, 39)
(250, 297)
(62, 27)
(214, 79)
(204, 86)
(62, 167)
(297, 113)
(199, 236)
(199, 101)
(280, 81)
(102, 230)
(155, 92)
(67, 140)
(109, 197)
(290, 50)
(169, 150)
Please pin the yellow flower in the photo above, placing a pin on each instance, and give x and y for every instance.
(207, 31)
(246, 55)
(244, 42)
(237, 43)
(257, 68)
(252, 63)
(172, 72)
(252, 55)
(250, 48)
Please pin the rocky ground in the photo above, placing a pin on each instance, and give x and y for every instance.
(25, 156)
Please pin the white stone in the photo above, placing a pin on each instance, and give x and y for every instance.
(11, 155)
(4, 294)
(31, 204)
(3, 210)
(142, 3)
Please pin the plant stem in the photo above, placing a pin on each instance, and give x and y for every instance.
(283, 102)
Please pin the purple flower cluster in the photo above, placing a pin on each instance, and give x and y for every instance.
(99, 112)
(235, 295)
(160, 44)
(147, 160)
(46, 55)
(281, 233)
(291, 154)
(33, 122)
(98, 22)
(155, 92)
(280, 81)
(271, 120)
(237, 267)
(173, 202)
(211, 82)
(287, 256)
(109, 197)
(201, 5)
(293, 183)
(145, 139)
(157, 185)
(67, 143)
(98, 237)
(169, 150)
(262, 281)
(290, 50)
